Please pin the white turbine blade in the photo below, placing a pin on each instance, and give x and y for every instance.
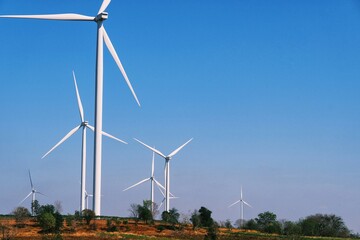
(179, 148)
(64, 16)
(241, 193)
(162, 202)
(25, 198)
(152, 149)
(147, 179)
(31, 183)
(62, 140)
(159, 184)
(117, 60)
(107, 134)
(104, 5)
(234, 203)
(40, 193)
(246, 203)
(81, 109)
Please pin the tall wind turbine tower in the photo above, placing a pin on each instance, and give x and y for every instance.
(167, 169)
(242, 202)
(83, 125)
(102, 37)
(33, 195)
(152, 180)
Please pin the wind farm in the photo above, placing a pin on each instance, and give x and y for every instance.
(262, 94)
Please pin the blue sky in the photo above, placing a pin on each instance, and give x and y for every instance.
(268, 89)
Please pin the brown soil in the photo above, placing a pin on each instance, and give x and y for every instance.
(98, 230)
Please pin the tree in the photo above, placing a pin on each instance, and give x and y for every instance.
(228, 224)
(195, 219)
(324, 225)
(35, 207)
(171, 217)
(291, 228)
(250, 225)
(88, 215)
(58, 206)
(144, 211)
(21, 214)
(205, 217)
(266, 222)
(49, 219)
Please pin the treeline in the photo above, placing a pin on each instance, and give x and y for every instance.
(322, 225)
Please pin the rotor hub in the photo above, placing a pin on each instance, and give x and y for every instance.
(101, 17)
(85, 123)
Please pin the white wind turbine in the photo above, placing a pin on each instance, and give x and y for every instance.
(83, 125)
(153, 181)
(242, 202)
(101, 38)
(87, 199)
(167, 169)
(33, 193)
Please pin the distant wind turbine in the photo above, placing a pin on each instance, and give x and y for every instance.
(167, 169)
(153, 181)
(83, 125)
(101, 38)
(87, 199)
(242, 202)
(33, 193)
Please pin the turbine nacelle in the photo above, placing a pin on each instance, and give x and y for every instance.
(101, 17)
(84, 124)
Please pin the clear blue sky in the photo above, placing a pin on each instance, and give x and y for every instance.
(270, 91)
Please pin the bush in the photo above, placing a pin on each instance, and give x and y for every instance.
(88, 215)
(21, 214)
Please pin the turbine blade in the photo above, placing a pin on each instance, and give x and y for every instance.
(246, 203)
(40, 193)
(62, 140)
(25, 198)
(234, 203)
(117, 60)
(64, 17)
(159, 184)
(107, 134)
(31, 183)
(162, 202)
(241, 195)
(81, 109)
(104, 5)
(179, 148)
(152, 149)
(147, 179)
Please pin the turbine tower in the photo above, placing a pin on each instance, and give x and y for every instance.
(167, 169)
(242, 202)
(83, 125)
(33, 193)
(102, 37)
(153, 181)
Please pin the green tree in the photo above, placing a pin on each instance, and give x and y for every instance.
(324, 225)
(267, 222)
(171, 217)
(205, 217)
(88, 215)
(21, 214)
(195, 219)
(144, 211)
(250, 225)
(35, 207)
(49, 223)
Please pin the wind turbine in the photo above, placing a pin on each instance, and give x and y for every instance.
(102, 37)
(33, 193)
(87, 199)
(153, 181)
(83, 125)
(242, 202)
(167, 169)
